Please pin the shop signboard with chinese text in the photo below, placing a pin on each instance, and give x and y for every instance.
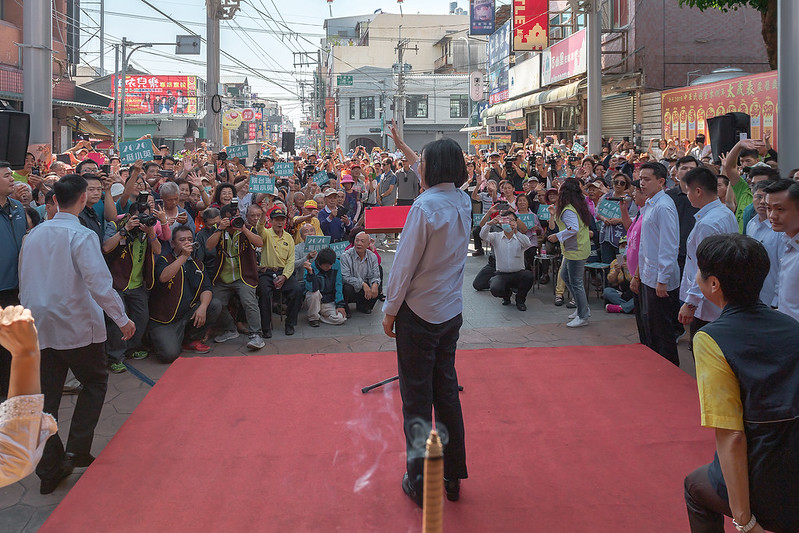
(172, 95)
(498, 64)
(564, 59)
(530, 25)
(685, 111)
(481, 17)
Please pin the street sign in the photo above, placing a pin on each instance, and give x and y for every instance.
(187, 45)
(237, 150)
(283, 169)
(132, 151)
(343, 80)
(476, 86)
(262, 183)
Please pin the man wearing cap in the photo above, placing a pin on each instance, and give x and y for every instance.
(332, 224)
(494, 171)
(275, 271)
(387, 184)
(351, 197)
(310, 211)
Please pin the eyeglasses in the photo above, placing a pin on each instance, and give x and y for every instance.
(620, 183)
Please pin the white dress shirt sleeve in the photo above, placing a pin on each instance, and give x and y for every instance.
(415, 234)
(486, 234)
(668, 226)
(89, 262)
(524, 240)
(693, 293)
(24, 430)
(569, 218)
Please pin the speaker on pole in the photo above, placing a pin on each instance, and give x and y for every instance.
(287, 144)
(15, 128)
(725, 131)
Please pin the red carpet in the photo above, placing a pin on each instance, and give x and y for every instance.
(558, 439)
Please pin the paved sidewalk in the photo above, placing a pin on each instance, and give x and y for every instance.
(487, 324)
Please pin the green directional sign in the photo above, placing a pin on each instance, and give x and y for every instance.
(343, 80)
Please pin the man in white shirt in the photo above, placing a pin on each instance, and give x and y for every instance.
(713, 218)
(509, 246)
(759, 228)
(657, 278)
(66, 284)
(782, 198)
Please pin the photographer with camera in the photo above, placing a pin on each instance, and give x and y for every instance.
(494, 171)
(236, 273)
(181, 303)
(514, 171)
(130, 247)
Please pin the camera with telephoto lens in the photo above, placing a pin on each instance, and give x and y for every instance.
(237, 221)
(142, 207)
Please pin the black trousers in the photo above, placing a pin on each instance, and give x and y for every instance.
(357, 297)
(137, 307)
(706, 509)
(427, 378)
(659, 319)
(168, 339)
(478, 242)
(503, 282)
(639, 320)
(292, 297)
(7, 298)
(89, 366)
(482, 281)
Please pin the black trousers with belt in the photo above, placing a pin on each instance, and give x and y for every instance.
(427, 378)
(292, 297)
(659, 320)
(89, 366)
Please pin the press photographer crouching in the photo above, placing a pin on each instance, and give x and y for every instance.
(509, 246)
(130, 247)
(182, 307)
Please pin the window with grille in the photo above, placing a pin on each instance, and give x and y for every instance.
(458, 105)
(416, 106)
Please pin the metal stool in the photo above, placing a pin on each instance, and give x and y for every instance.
(599, 269)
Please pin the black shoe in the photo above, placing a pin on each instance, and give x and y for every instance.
(409, 491)
(571, 305)
(521, 306)
(49, 484)
(289, 329)
(347, 311)
(313, 323)
(268, 334)
(381, 297)
(78, 460)
(506, 301)
(453, 489)
(478, 253)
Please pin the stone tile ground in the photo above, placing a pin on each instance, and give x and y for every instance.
(487, 324)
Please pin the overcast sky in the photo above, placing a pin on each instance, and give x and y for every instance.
(262, 41)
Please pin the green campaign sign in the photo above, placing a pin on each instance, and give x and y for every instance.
(476, 218)
(609, 209)
(284, 169)
(543, 212)
(321, 177)
(339, 247)
(262, 183)
(237, 150)
(314, 243)
(132, 151)
(528, 219)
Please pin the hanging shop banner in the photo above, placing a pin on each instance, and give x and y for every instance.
(530, 25)
(159, 95)
(481, 17)
(476, 86)
(499, 47)
(498, 85)
(564, 59)
(686, 110)
(330, 116)
(525, 77)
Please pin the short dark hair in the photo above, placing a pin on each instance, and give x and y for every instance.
(49, 197)
(740, 263)
(443, 163)
(748, 152)
(326, 256)
(94, 177)
(657, 169)
(785, 185)
(228, 209)
(180, 228)
(725, 179)
(150, 164)
(760, 186)
(34, 215)
(702, 178)
(208, 214)
(68, 190)
(687, 159)
(168, 157)
(5, 164)
(771, 174)
(79, 168)
(508, 213)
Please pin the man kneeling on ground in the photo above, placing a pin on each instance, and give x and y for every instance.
(361, 275)
(509, 247)
(181, 303)
(323, 284)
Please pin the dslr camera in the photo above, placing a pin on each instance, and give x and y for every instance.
(142, 206)
(237, 221)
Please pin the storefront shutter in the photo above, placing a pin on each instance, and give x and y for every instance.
(618, 116)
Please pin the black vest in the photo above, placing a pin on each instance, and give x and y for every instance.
(762, 348)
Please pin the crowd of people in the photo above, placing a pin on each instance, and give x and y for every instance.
(175, 252)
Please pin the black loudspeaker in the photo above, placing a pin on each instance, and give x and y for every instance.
(287, 144)
(15, 129)
(725, 131)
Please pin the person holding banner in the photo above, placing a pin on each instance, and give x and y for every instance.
(609, 213)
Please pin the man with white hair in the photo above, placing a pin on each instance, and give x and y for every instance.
(23, 193)
(361, 275)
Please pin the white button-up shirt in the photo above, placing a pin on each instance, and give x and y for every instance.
(774, 243)
(788, 295)
(64, 281)
(427, 272)
(660, 243)
(508, 252)
(713, 219)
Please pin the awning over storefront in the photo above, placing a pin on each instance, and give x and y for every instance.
(88, 125)
(549, 96)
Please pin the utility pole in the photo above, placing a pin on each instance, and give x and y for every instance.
(399, 102)
(102, 37)
(788, 77)
(594, 44)
(37, 74)
(216, 10)
(116, 95)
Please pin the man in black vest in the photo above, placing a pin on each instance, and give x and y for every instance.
(747, 370)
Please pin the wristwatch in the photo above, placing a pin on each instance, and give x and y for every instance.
(747, 527)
